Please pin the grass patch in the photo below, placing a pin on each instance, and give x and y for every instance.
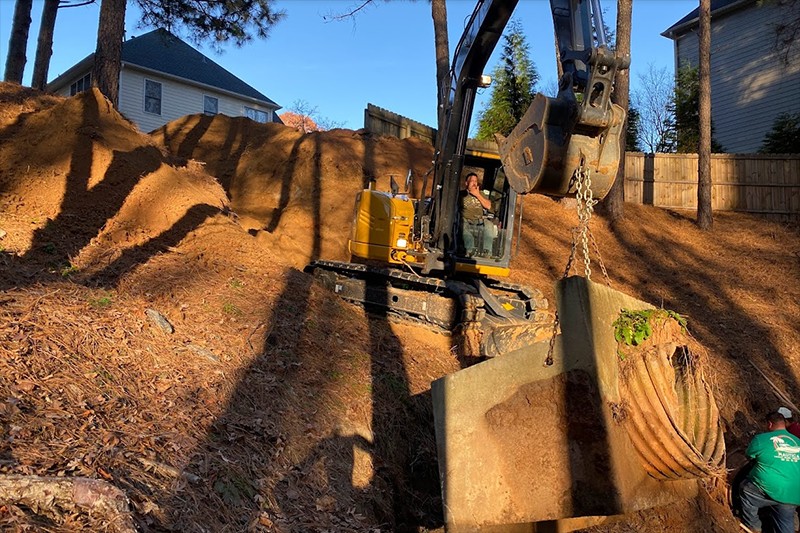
(102, 301)
(230, 309)
(68, 270)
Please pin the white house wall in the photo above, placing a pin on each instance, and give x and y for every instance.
(750, 83)
(177, 100)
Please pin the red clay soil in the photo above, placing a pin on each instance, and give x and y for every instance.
(272, 405)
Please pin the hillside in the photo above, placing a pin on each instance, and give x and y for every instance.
(272, 405)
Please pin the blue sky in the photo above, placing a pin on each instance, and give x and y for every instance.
(383, 56)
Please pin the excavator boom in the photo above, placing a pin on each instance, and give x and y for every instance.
(580, 128)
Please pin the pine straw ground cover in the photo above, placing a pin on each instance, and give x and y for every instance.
(273, 406)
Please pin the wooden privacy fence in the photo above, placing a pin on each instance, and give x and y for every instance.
(385, 122)
(752, 183)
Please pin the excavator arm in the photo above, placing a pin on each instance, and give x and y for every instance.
(578, 128)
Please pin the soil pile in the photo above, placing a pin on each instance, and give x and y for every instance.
(266, 402)
(81, 184)
(295, 190)
(16, 101)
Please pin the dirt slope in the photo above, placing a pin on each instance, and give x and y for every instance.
(296, 189)
(272, 405)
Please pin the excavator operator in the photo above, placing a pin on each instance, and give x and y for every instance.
(477, 223)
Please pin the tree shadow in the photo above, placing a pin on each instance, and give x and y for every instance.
(139, 255)
(86, 207)
(85, 210)
(287, 177)
(192, 138)
(232, 152)
(383, 475)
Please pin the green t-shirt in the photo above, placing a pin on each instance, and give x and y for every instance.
(777, 465)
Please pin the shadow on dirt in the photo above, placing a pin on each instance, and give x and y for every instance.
(280, 456)
(86, 208)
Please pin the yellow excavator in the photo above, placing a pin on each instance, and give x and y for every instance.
(564, 429)
(416, 258)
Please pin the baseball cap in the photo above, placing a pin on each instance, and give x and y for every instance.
(785, 412)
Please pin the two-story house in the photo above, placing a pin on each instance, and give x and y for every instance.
(162, 78)
(753, 78)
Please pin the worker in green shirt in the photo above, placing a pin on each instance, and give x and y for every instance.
(774, 480)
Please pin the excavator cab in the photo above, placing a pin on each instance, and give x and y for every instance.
(484, 241)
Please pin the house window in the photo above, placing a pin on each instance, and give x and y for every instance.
(81, 85)
(255, 114)
(152, 97)
(210, 105)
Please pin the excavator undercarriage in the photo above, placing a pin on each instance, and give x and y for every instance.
(494, 317)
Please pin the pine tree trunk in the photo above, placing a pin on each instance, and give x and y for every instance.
(44, 46)
(439, 14)
(108, 55)
(17, 44)
(704, 215)
(614, 202)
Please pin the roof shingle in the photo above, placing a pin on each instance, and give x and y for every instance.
(716, 6)
(162, 51)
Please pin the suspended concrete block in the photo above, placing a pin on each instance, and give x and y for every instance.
(523, 446)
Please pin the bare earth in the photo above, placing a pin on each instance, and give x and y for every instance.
(273, 405)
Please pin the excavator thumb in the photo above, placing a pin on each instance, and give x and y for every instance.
(540, 155)
(528, 447)
(557, 136)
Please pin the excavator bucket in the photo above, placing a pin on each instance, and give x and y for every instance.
(528, 447)
(540, 155)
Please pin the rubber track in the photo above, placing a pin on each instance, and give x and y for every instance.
(533, 298)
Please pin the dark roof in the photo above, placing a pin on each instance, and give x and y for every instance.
(163, 52)
(717, 7)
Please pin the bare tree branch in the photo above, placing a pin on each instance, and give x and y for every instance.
(78, 3)
(652, 100)
(351, 13)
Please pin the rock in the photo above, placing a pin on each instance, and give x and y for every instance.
(159, 320)
(204, 352)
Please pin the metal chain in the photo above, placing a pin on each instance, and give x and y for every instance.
(600, 259)
(548, 361)
(585, 207)
(582, 234)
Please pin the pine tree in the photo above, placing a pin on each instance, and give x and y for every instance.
(784, 137)
(513, 88)
(615, 199)
(633, 142)
(705, 216)
(16, 59)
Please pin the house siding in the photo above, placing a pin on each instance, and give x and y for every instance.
(177, 100)
(750, 83)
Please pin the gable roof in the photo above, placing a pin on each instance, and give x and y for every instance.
(718, 7)
(163, 52)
